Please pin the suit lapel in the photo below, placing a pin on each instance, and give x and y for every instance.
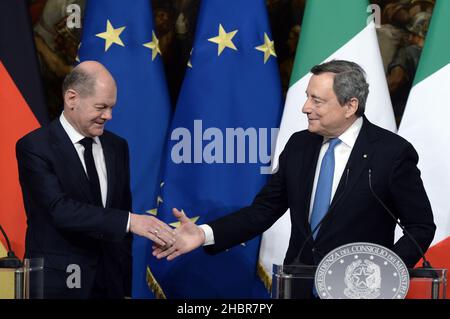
(108, 152)
(305, 180)
(65, 149)
(357, 163)
(357, 166)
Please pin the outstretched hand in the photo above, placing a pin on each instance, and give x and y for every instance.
(152, 228)
(188, 236)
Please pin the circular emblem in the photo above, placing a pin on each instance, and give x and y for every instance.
(361, 271)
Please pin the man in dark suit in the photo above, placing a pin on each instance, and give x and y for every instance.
(75, 181)
(326, 176)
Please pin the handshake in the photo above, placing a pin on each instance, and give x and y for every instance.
(168, 242)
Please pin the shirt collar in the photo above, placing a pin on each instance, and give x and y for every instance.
(351, 134)
(74, 135)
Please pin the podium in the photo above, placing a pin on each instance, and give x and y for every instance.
(287, 278)
(25, 282)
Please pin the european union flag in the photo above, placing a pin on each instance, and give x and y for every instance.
(121, 35)
(220, 146)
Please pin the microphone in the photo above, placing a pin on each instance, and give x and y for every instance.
(11, 260)
(426, 263)
(325, 218)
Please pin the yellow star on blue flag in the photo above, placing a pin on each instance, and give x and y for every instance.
(111, 35)
(154, 46)
(224, 40)
(267, 47)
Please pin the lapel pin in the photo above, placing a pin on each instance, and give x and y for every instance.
(365, 156)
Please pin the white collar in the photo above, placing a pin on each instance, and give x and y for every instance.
(74, 135)
(351, 134)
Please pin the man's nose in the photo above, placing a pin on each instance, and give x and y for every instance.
(306, 107)
(107, 114)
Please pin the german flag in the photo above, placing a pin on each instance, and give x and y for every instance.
(22, 109)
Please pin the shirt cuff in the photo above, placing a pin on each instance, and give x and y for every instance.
(209, 234)
(128, 223)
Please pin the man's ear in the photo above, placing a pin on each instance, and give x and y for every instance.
(352, 107)
(71, 98)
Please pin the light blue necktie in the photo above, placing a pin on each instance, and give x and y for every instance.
(322, 198)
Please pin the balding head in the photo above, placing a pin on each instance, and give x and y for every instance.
(86, 76)
(90, 94)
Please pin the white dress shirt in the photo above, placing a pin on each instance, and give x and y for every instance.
(97, 152)
(341, 154)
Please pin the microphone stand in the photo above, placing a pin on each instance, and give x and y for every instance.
(285, 280)
(12, 262)
(426, 271)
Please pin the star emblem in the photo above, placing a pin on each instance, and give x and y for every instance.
(224, 40)
(111, 35)
(153, 211)
(154, 46)
(360, 277)
(267, 47)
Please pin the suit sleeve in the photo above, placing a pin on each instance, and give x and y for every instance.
(412, 205)
(41, 186)
(269, 205)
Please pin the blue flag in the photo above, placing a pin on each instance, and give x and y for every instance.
(120, 34)
(220, 146)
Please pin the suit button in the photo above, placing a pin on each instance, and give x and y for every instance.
(313, 250)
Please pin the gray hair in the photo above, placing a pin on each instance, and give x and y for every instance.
(349, 82)
(81, 81)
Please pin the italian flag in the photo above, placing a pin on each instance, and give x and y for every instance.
(425, 125)
(330, 30)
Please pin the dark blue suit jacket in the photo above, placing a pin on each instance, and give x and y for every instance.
(64, 226)
(355, 215)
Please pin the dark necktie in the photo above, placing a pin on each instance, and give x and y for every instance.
(91, 170)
